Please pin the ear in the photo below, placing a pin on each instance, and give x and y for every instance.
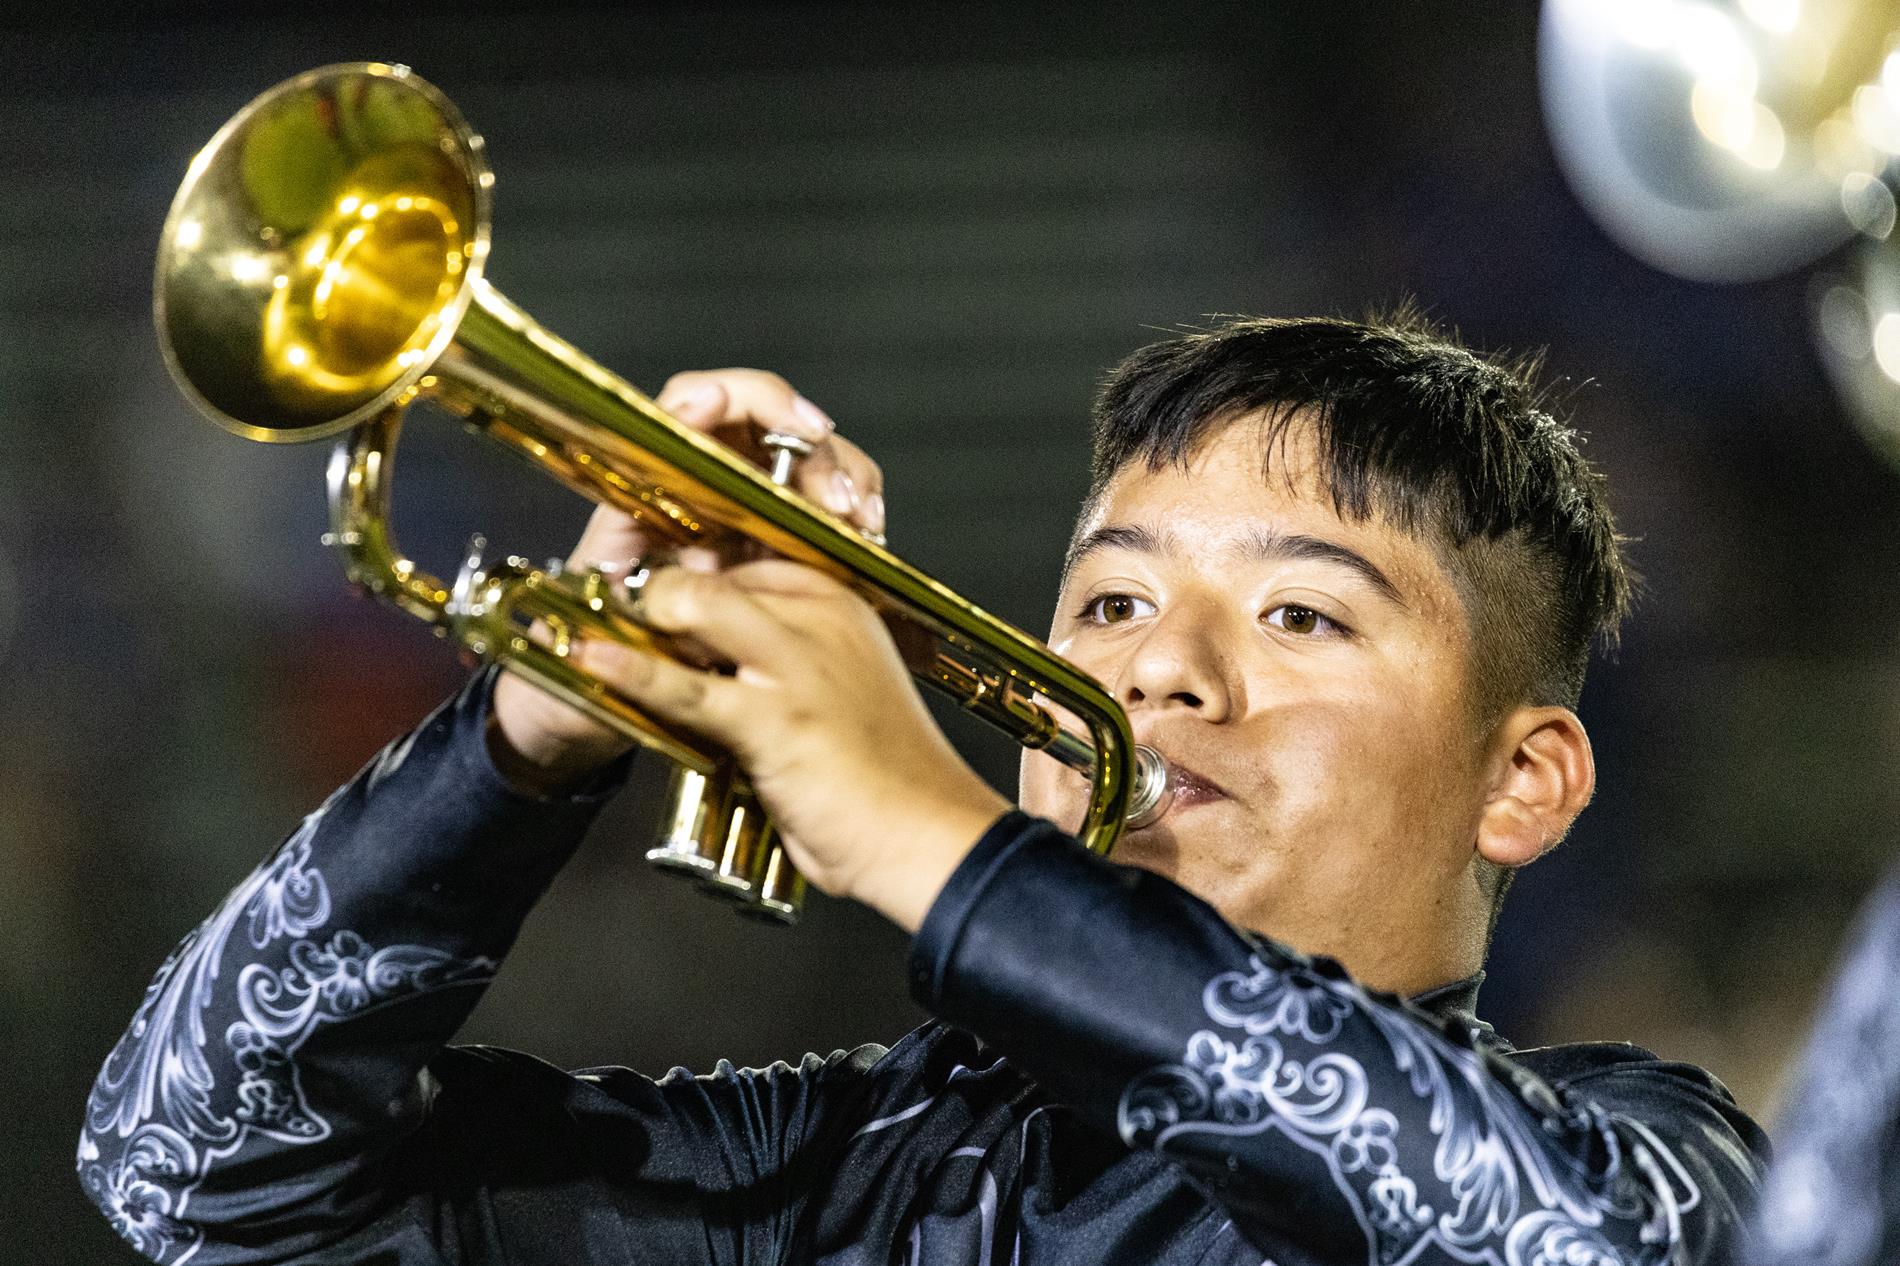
(1542, 776)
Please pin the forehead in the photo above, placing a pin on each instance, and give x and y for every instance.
(1245, 478)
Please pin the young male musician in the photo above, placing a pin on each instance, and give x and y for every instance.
(1344, 577)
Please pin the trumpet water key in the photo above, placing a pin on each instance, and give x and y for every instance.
(321, 270)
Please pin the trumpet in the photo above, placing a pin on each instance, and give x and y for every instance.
(320, 271)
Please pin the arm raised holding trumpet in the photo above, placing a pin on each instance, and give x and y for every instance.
(803, 683)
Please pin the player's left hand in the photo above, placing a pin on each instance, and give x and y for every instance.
(872, 801)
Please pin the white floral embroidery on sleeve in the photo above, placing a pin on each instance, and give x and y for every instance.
(171, 1101)
(1496, 1193)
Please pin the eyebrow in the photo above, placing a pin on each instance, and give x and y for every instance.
(1260, 545)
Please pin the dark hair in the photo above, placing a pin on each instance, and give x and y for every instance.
(1451, 448)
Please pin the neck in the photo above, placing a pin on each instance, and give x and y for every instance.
(1401, 956)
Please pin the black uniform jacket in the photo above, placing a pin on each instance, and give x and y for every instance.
(1118, 1076)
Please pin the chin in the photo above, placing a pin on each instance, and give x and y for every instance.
(1193, 830)
(1151, 848)
(1220, 861)
(1162, 848)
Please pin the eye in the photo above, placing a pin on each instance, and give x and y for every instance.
(1302, 621)
(1115, 608)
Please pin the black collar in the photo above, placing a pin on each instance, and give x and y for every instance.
(1456, 1002)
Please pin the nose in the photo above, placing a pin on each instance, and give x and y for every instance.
(1182, 662)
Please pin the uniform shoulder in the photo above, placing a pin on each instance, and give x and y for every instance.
(1629, 1080)
(1574, 1062)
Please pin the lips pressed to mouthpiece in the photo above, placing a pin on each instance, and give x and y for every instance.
(1190, 788)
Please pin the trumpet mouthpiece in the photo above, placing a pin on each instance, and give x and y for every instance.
(1152, 793)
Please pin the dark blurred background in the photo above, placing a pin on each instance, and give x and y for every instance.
(942, 223)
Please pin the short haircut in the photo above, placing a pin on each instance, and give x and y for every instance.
(1413, 428)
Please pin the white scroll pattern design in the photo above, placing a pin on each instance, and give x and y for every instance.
(170, 1102)
(1497, 1194)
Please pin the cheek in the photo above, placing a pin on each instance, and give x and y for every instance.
(1045, 788)
(1371, 753)
(1048, 789)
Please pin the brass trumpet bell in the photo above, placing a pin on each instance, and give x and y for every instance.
(321, 270)
(322, 252)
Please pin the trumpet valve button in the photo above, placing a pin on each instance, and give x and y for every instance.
(786, 449)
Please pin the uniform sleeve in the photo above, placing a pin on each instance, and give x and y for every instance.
(1318, 1113)
(284, 1095)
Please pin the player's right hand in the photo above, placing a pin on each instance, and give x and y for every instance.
(542, 744)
